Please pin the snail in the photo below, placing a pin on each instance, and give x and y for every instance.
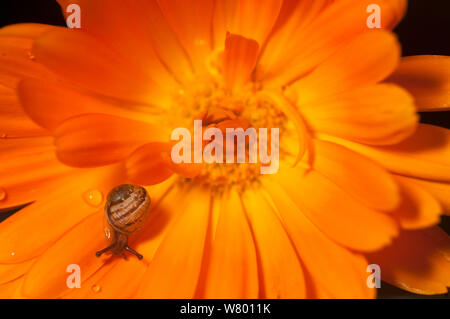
(126, 210)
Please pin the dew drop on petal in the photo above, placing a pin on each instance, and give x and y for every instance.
(31, 56)
(2, 194)
(3, 135)
(93, 197)
(199, 42)
(96, 288)
(13, 254)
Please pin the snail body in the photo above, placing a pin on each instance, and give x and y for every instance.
(127, 209)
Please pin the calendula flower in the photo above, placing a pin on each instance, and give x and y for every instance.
(360, 181)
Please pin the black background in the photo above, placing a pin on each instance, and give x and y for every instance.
(425, 30)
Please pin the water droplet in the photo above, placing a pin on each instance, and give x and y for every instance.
(93, 197)
(199, 42)
(3, 135)
(2, 194)
(96, 288)
(31, 56)
(13, 254)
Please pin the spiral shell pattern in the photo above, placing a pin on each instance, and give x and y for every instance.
(127, 208)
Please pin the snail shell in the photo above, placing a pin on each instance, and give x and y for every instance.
(127, 208)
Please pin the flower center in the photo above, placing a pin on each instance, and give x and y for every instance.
(220, 108)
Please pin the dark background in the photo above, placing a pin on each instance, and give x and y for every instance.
(425, 30)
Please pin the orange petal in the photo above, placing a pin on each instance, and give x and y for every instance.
(26, 30)
(232, 269)
(29, 232)
(240, 60)
(336, 213)
(379, 115)
(89, 286)
(85, 61)
(172, 275)
(295, 12)
(281, 274)
(119, 278)
(191, 22)
(418, 209)
(279, 101)
(317, 252)
(12, 147)
(50, 103)
(310, 46)
(188, 170)
(16, 63)
(47, 278)
(357, 175)
(31, 173)
(440, 239)
(164, 40)
(95, 139)
(252, 19)
(123, 25)
(120, 281)
(12, 289)
(427, 77)
(374, 54)
(9, 272)
(425, 154)
(417, 262)
(152, 163)
(439, 191)
(146, 165)
(14, 121)
(293, 18)
(16, 60)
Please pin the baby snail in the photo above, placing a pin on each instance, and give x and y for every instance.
(126, 210)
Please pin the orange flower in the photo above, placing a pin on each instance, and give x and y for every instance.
(83, 111)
